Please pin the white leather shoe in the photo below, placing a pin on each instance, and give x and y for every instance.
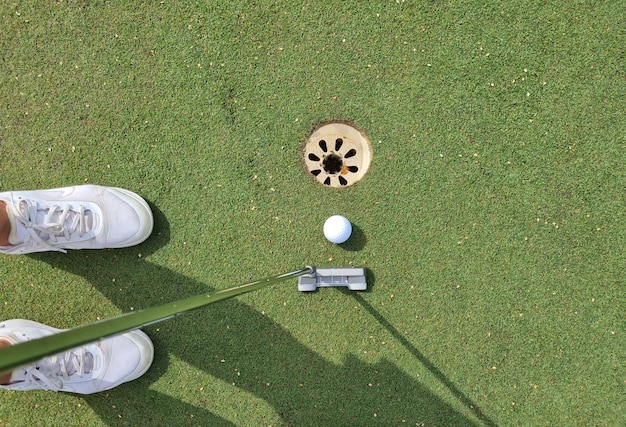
(79, 217)
(89, 369)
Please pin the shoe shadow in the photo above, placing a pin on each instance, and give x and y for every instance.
(240, 346)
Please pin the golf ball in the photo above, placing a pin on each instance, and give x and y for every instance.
(337, 229)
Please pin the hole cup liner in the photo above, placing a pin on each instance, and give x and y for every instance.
(337, 155)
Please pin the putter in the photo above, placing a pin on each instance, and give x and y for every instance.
(351, 277)
(32, 351)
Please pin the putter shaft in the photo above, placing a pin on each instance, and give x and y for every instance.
(32, 351)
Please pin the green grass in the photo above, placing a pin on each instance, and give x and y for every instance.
(491, 221)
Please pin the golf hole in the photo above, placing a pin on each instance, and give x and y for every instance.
(337, 154)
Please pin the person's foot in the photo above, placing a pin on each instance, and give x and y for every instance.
(89, 369)
(79, 217)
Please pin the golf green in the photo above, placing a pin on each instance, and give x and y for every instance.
(490, 221)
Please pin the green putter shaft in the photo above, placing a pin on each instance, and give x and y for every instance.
(34, 350)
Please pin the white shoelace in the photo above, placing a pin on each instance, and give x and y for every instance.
(53, 371)
(59, 221)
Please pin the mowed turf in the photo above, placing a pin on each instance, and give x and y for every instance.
(491, 221)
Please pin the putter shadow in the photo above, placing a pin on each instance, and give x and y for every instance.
(240, 346)
(370, 279)
(462, 397)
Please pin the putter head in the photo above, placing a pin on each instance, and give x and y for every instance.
(351, 277)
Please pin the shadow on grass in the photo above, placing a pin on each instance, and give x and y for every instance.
(357, 240)
(240, 346)
(467, 402)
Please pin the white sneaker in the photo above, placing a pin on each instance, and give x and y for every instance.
(79, 217)
(90, 369)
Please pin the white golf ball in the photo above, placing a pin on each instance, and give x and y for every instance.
(337, 229)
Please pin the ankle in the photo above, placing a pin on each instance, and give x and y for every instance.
(5, 225)
(6, 378)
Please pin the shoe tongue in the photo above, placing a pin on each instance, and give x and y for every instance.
(53, 365)
(87, 365)
(19, 233)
